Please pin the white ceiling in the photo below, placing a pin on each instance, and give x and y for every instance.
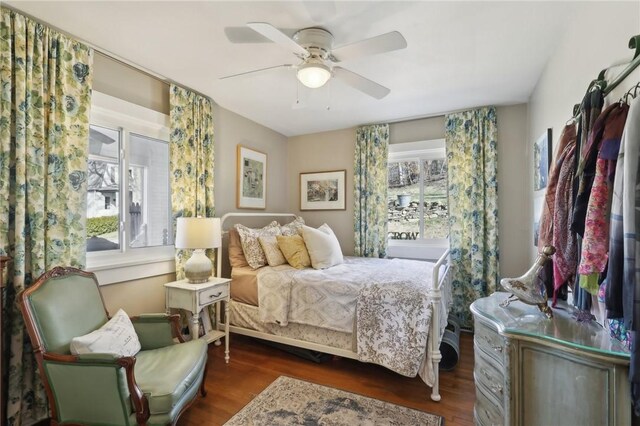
(459, 54)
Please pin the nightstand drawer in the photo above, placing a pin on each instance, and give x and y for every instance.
(213, 294)
(490, 342)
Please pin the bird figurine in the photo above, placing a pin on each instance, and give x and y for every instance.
(526, 288)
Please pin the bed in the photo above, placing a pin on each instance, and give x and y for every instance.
(383, 311)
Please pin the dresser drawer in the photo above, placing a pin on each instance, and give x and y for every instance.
(213, 294)
(489, 341)
(490, 375)
(487, 413)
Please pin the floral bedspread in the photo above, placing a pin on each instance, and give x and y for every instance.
(383, 302)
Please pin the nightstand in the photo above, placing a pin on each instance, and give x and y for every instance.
(193, 298)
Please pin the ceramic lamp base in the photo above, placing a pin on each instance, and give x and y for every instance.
(198, 268)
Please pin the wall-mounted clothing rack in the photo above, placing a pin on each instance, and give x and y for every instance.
(634, 43)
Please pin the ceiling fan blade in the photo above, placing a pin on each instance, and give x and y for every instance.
(244, 35)
(287, 66)
(371, 46)
(361, 83)
(277, 36)
(247, 35)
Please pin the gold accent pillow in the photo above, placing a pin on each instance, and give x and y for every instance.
(269, 244)
(294, 250)
(293, 228)
(251, 246)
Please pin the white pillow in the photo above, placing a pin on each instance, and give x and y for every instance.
(117, 337)
(323, 246)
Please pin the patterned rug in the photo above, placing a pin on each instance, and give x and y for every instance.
(289, 401)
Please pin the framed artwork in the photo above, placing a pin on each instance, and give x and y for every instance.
(542, 152)
(251, 181)
(323, 190)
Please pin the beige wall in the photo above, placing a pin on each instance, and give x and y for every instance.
(232, 130)
(334, 150)
(595, 38)
(137, 297)
(121, 81)
(323, 152)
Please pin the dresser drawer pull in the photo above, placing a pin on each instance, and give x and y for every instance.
(489, 342)
(215, 295)
(496, 389)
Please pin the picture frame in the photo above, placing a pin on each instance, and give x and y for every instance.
(251, 179)
(323, 190)
(542, 152)
(542, 158)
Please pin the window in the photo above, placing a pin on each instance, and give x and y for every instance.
(417, 191)
(128, 199)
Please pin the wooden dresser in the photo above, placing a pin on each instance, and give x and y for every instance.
(531, 371)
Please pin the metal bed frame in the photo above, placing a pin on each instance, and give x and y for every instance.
(435, 295)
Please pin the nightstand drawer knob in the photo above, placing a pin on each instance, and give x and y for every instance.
(215, 295)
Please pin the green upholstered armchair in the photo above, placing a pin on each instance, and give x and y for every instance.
(153, 388)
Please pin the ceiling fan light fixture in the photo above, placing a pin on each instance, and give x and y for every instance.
(313, 74)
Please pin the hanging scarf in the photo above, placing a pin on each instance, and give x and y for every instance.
(546, 220)
(595, 244)
(564, 240)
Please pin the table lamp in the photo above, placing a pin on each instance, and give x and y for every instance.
(198, 233)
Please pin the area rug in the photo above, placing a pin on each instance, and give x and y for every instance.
(289, 401)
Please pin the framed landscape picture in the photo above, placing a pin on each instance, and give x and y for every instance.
(323, 190)
(542, 152)
(251, 181)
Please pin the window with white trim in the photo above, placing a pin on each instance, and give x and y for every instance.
(417, 194)
(128, 199)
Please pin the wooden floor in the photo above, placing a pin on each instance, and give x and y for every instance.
(254, 365)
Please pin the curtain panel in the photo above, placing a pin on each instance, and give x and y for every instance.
(472, 163)
(44, 133)
(191, 161)
(370, 190)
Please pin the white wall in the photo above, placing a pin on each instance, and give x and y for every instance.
(596, 38)
(334, 150)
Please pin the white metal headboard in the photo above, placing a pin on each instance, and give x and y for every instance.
(242, 214)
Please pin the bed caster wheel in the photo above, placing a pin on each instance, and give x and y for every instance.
(217, 342)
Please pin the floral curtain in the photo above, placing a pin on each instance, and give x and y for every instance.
(191, 161)
(370, 190)
(44, 132)
(472, 163)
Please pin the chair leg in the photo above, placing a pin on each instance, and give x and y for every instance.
(203, 390)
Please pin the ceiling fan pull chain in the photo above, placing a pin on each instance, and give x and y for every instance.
(329, 95)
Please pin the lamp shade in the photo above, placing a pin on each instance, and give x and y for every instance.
(198, 233)
(313, 74)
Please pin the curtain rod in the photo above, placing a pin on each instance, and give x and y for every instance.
(107, 54)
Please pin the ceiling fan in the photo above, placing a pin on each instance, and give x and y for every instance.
(314, 47)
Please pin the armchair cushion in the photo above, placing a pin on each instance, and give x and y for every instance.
(154, 330)
(165, 374)
(117, 337)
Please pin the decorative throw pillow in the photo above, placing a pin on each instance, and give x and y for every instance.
(294, 251)
(269, 244)
(323, 246)
(116, 337)
(293, 228)
(236, 255)
(251, 246)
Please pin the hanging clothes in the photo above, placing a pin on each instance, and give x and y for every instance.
(545, 236)
(590, 110)
(565, 259)
(605, 142)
